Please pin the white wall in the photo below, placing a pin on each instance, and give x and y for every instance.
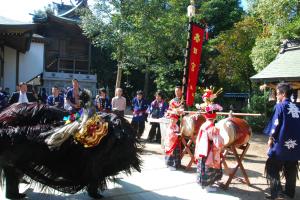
(31, 63)
(9, 77)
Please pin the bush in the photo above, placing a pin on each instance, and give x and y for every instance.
(259, 104)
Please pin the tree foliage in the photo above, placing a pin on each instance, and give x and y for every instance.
(151, 35)
(143, 35)
(233, 63)
(292, 30)
(264, 51)
(220, 15)
(275, 16)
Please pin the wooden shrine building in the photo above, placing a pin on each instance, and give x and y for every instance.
(285, 68)
(54, 46)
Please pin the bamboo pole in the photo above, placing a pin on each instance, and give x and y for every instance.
(230, 114)
(218, 113)
(226, 113)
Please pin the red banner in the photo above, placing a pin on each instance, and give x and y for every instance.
(196, 41)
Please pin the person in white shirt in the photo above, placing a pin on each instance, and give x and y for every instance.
(118, 103)
(22, 96)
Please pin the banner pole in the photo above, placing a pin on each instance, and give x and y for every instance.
(186, 64)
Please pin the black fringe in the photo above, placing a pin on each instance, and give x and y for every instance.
(72, 167)
(272, 167)
(26, 114)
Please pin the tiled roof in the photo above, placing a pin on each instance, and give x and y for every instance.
(286, 67)
(6, 21)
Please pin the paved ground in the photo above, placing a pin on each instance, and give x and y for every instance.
(156, 182)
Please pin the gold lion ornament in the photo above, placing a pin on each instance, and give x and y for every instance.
(92, 131)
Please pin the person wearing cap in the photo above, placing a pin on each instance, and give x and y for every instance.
(284, 145)
(139, 107)
(22, 96)
(171, 141)
(209, 144)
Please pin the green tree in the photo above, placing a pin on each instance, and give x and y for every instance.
(106, 29)
(275, 16)
(151, 39)
(292, 30)
(150, 36)
(233, 65)
(220, 15)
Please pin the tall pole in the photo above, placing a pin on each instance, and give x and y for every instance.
(120, 60)
(190, 13)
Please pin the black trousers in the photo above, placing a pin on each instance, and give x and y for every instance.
(139, 126)
(174, 160)
(290, 171)
(154, 132)
(12, 178)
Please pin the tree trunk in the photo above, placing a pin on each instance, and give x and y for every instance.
(119, 76)
(146, 85)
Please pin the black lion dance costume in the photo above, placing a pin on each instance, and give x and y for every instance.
(81, 154)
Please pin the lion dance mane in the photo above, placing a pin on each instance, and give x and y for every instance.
(35, 140)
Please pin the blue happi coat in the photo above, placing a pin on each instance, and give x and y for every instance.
(284, 126)
(139, 108)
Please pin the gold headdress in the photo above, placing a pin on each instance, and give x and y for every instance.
(208, 97)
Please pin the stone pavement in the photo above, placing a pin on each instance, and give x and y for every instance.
(156, 182)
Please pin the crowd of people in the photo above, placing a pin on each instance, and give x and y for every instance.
(68, 99)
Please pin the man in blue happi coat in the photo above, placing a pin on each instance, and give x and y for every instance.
(55, 99)
(284, 144)
(139, 107)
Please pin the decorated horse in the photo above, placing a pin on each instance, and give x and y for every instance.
(35, 142)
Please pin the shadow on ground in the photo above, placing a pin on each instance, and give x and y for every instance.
(134, 192)
(125, 191)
